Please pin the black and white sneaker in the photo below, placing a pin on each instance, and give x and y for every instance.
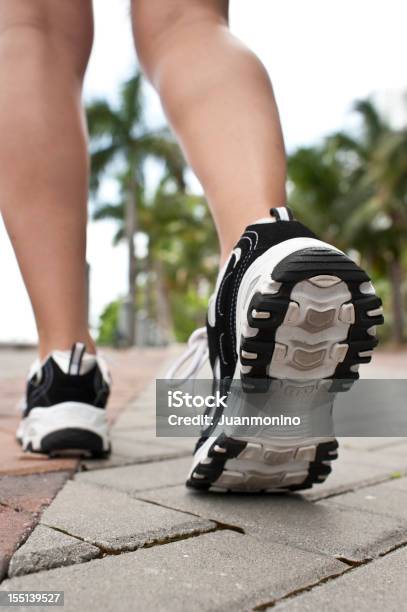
(65, 405)
(286, 306)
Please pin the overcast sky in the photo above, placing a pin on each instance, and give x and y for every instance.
(321, 55)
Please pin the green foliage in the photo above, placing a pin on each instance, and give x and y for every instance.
(108, 326)
(174, 280)
(189, 312)
(352, 190)
(120, 138)
(181, 257)
(121, 143)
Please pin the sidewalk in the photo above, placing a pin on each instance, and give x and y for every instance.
(29, 482)
(150, 544)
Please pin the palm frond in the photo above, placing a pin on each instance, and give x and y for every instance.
(373, 123)
(109, 211)
(341, 141)
(119, 236)
(162, 146)
(132, 101)
(103, 120)
(100, 160)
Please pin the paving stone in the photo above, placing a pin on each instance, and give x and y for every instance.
(31, 492)
(385, 365)
(115, 521)
(380, 585)
(383, 458)
(398, 483)
(132, 447)
(370, 443)
(7, 423)
(351, 470)
(398, 450)
(323, 527)
(130, 369)
(139, 434)
(128, 452)
(148, 435)
(14, 528)
(46, 549)
(14, 461)
(382, 499)
(134, 418)
(134, 478)
(217, 571)
(114, 460)
(180, 443)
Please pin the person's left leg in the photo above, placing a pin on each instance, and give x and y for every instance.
(44, 50)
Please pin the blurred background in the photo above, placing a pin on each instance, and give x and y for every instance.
(338, 70)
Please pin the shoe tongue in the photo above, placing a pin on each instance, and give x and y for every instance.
(279, 213)
(74, 362)
(264, 220)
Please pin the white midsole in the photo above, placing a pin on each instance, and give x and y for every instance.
(68, 415)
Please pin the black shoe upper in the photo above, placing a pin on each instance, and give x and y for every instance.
(52, 386)
(256, 239)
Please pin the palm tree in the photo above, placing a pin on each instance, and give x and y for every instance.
(378, 182)
(352, 189)
(120, 139)
(180, 264)
(317, 191)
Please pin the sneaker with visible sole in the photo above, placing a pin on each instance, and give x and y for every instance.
(286, 306)
(65, 405)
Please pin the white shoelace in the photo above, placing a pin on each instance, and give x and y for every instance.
(197, 353)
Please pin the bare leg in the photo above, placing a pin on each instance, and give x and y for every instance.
(220, 103)
(44, 49)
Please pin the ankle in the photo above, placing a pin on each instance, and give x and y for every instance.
(228, 243)
(60, 343)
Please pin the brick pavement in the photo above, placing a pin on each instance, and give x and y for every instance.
(125, 533)
(29, 482)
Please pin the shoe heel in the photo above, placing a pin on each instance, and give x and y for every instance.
(315, 316)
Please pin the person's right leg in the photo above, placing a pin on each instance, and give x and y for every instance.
(219, 100)
(286, 305)
(44, 49)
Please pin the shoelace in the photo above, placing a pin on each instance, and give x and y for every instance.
(197, 353)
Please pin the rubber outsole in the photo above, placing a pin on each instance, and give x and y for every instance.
(292, 468)
(314, 323)
(71, 441)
